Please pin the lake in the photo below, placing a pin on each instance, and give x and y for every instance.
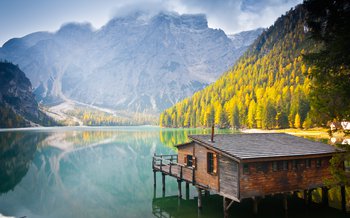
(107, 172)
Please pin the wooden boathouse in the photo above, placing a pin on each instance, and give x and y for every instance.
(241, 166)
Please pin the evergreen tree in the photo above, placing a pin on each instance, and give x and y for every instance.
(328, 22)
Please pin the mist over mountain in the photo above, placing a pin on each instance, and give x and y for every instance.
(137, 63)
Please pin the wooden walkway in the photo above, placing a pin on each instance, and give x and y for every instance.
(168, 165)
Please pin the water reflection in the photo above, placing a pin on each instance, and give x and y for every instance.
(92, 172)
(16, 153)
(78, 173)
(172, 206)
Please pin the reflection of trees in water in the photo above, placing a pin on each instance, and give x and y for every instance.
(170, 137)
(16, 153)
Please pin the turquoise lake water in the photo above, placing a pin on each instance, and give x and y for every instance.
(107, 172)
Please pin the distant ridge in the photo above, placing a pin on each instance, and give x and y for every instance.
(137, 63)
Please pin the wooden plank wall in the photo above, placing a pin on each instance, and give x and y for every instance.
(184, 151)
(258, 183)
(201, 174)
(228, 170)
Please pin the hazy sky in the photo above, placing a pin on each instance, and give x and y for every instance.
(21, 17)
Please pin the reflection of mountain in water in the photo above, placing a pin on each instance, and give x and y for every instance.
(16, 153)
(102, 171)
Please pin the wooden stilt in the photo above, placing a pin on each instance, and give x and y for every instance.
(154, 178)
(285, 202)
(163, 182)
(225, 203)
(154, 193)
(325, 196)
(295, 194)
(187, 191)
(343, 198)
(199, 197)
(255, 205)
(206, 193)
(305, 196)
(309, 197)
(179, 188)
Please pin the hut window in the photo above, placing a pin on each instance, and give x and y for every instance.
(318, 163)
(307, 163)
(294, 164)
(245, 169)
(274, 166)
(262, 167)
(285, 165)
(211, 163)
(189, 161)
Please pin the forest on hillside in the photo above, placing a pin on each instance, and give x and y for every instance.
(296, 75)
(267, 88)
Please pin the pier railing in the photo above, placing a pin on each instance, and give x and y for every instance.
(168, 164)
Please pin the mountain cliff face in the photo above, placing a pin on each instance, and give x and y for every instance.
(18, 107)
(137, 63)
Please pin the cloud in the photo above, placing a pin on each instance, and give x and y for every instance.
(232, 16)
(131, 6)
(237, 15)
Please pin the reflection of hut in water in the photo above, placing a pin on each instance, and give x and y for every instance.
(242, 166)
(16, 153)
(175, 207)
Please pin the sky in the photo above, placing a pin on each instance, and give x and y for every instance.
(21, 17)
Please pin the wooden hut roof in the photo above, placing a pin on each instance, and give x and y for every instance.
(264, 145)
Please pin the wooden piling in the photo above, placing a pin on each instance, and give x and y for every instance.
(187, 191)
(154, 178)
(199, 197)
(325, 196)
(305, 197)
(255, 205)
(154, 193)
(225, 203)
(163, 182)
(285, 202)
(295, 194)
(309, 196)
(343, 198)
(179, 188)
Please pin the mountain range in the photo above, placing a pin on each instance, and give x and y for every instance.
(137, 63)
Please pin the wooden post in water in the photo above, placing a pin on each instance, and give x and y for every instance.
(295, 194)
(199, 197)
(343, 198)
(163, 182)
(309, 197)
(305, 196)
(255, 205)
(325, 196)
(226, 214)
(179, 188)
(187, 191)
(154, 193)
(154, 178)
(285, 202)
